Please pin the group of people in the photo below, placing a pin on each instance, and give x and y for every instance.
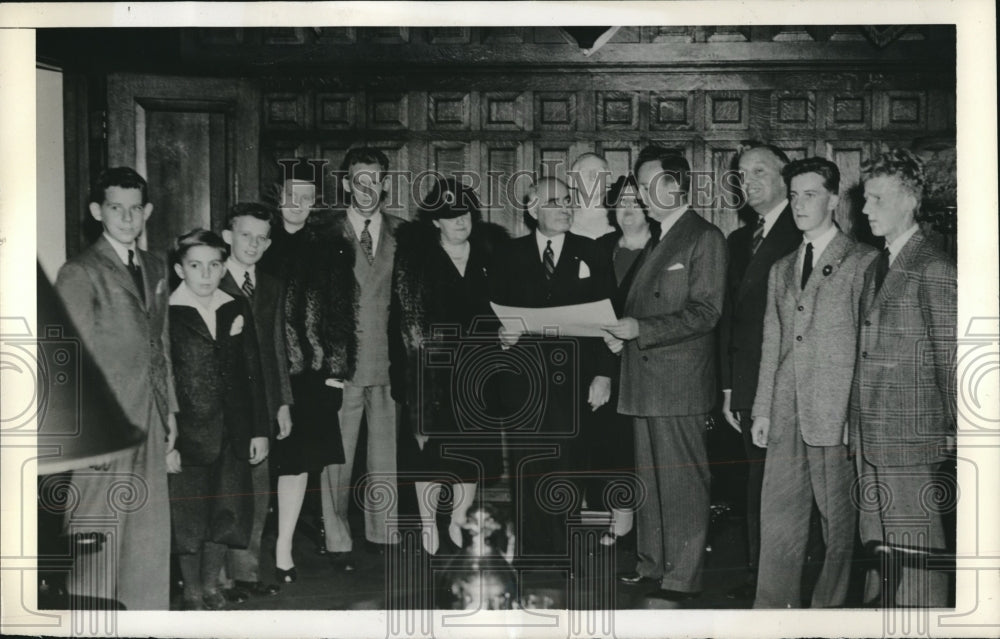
(294, 325)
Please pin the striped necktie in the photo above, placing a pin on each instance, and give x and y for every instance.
(247, 285)
(758, 234)
(366, 242)
(549, 260)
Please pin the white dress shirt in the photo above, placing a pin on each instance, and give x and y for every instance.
(819, 245)
(898, 244)
(772, 216)
(122, 250)
(237, 270)
(184, 297)
(557, 246)
(669, 221)
(358, 222)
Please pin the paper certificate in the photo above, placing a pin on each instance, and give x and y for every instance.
(578, 320)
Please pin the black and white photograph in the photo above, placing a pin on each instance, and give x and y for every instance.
(444, 320)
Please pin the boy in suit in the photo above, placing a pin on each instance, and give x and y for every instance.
(903, 401)
(222, 418)
(800, 411)
(116, 294)
(668, 380)
(248, 232)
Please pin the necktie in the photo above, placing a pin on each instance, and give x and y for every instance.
(247, 285)
(807, 264)
(881, 269)
(136, 273)
(366, 242)
(758, 234)
(549, 260)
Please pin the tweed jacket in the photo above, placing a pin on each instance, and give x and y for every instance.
(268, 311)
(807, 359)
(677, 296)
(741, 329)
(903, 402)
(219, 386)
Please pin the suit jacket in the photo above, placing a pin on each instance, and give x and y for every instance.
(903, 402)
(518, 279)
(810, 335)
(268, 311)
(741, 329)
(219, 386)
(128, 338)
(677, 296)
(374, 296)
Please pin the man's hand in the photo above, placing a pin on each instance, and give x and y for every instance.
(615, 345)
(174, 462)
(731, 418)
(171, 431)
(508, 338)
(284, 421)
(600, 392)
(624, 329)
(759, 431)
(258, 450)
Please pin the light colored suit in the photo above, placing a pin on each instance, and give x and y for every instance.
(903, 406)
(129, 340)
(668, 382)
(366, 394)
(804, 384)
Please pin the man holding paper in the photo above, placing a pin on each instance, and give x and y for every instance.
(668, 376)
(550, 268)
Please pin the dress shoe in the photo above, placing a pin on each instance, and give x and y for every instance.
(258, 588)
(214, 600)
(287, 576)
(236, 594)
(635, 579)
(341, 560)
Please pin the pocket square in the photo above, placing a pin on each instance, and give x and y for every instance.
(237, 326)
(584, 270)
(676, 267)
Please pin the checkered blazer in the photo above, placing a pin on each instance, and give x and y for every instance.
(903, 394)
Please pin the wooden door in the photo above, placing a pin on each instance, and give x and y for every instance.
(195, 141)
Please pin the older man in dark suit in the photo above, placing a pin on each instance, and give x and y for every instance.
(903, 404)
(668, 376)
(551, 267)
(800, 411)
(753, 249)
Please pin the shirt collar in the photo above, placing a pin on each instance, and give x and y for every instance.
(772, 216)
(669, 221)
(182, 296)
(358, 221)
(557, 243)
(820, 243)
(122, 250)
(897, 245)
(237, 270)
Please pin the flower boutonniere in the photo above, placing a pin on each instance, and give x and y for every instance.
(237, 326)
(827, 270)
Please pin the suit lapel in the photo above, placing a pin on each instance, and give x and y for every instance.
(119, 271)
(656, 253)
(229, 285)
(895, 279)
(191, 318)
(771, 249)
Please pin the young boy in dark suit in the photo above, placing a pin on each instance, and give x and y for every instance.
(248, 233)
(222, 420)
(116, 295)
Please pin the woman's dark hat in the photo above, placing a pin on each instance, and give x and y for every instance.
(448, 199)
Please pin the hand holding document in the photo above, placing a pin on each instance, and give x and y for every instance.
(577, 320)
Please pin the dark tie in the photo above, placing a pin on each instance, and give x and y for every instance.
(136, 273)
(247, 285)
(366, 242)
(549, 260)
(881, 269)
(807, 264)
(758, 234)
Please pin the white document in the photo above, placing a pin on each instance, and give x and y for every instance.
(578, 320)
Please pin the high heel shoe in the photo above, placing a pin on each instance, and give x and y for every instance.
(287, 576)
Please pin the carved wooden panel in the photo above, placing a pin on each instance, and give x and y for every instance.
(793, 109)
(388, 35)
(727, 109)
(724, 189)
(617, 110)
(504, 35)
(337, 35)
(449, 35)
(337, 111)
(675, 35)
(451, 110)
(849, 155)
(553, 158)
(505, 111)
(502, 187)
(671, 110)
(399, 199)
(551, 35)
(848, 110)
(447, 158)
(555, 111)
(387, 111)
(286, 111)
(902, 109)
(620, 157)
(729, 34)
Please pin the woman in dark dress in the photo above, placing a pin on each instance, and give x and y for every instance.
(440, 324)
(634, 230)
(317, 269)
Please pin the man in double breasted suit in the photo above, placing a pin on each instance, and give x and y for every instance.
(366, 394)
(117, 296)
(800, 410)
(668, 376)
(753, 249)
(551, 267)
(903, 402)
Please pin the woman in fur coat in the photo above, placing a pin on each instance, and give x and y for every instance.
(442, 332)
(317, 266)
